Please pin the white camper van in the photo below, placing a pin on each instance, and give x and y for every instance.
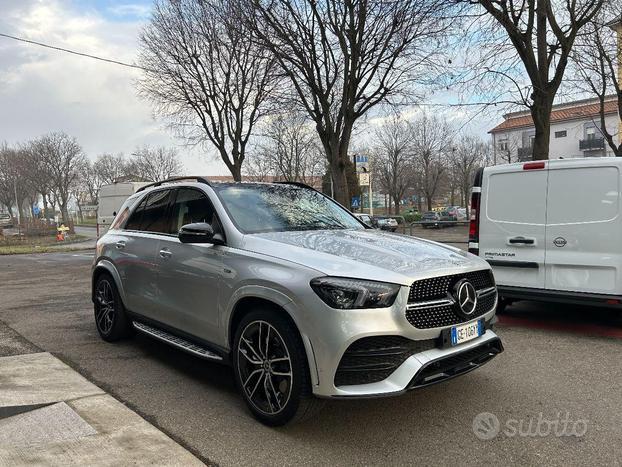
(110, 198)
(551, 230)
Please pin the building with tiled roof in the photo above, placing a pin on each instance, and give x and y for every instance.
(575, 132)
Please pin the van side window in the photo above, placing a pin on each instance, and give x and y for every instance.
(589, 194)
(191, 206)
(136, 217)
(154, 215)
(517, 197)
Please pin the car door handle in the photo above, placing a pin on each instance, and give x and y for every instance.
(120, 245)
(521, 241)
(164, 253)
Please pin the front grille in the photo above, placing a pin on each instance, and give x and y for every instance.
(372, 359)
(439, 288)
(456, 364)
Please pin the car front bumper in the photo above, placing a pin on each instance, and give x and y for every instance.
(334, 331)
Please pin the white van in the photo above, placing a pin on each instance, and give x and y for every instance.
(551, 230)
(110, 199)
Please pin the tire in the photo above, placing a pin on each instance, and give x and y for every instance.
(110, 318)
(286, 396)
(502, 304)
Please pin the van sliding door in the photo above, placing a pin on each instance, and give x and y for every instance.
(583, 227)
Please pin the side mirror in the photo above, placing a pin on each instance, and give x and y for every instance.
(201, 232)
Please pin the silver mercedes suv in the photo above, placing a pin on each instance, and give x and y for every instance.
(299, 296)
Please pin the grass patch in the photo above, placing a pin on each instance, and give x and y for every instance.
(16, 246)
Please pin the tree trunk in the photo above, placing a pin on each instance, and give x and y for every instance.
(541, 113)
(45, 206)
(340, 183)
(64, 212)
(397, 205)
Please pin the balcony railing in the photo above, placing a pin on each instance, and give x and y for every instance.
(525, 154)
(592, 144)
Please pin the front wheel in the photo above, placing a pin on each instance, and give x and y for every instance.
(110, 317)
(270, 369)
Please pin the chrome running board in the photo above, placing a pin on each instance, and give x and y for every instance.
(176, 341)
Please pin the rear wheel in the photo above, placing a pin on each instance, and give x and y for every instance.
(271, 370)
(110, 317)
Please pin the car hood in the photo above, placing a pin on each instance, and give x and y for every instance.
(366, 254)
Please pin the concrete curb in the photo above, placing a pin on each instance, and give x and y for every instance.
(51, 415)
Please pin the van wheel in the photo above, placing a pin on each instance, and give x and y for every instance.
(271, 370)
(110, 317)
(502, 303)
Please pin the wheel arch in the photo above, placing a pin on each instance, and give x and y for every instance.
(103, 267)
(248, 302)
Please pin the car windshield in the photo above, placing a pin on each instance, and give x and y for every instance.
(429, 214)
(256, 208)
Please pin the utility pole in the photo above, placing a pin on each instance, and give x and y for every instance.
(16, 202)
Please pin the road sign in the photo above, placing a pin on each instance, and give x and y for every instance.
(356, 202)
(363, 179)
(36, 210)
(362, 163)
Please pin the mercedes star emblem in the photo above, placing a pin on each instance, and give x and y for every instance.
(466, 296)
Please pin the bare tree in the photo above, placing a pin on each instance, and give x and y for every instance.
(62, 158)
(522, 49)
(288, 150)
(205, 73)
(344, 57)
(155, 164)
(109, 168)
(596, 60)
(393, 160)
(432, 140)
(467, 155)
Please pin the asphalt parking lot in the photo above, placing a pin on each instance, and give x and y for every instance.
(555, 392)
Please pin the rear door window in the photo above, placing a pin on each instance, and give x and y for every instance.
(583, 195)
(517, 197)
(134, 222)
(155, 212)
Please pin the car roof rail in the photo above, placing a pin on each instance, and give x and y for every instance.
(175, 179)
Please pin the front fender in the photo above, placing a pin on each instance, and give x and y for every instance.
(278, 298)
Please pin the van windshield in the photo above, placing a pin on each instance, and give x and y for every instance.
(256, 208)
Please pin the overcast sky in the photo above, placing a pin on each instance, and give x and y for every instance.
(43, 90)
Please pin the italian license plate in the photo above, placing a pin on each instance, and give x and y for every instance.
(467, 332)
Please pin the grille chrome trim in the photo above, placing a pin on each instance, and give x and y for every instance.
(431, 304)
(486, 292)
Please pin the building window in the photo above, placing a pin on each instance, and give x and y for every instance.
(503, 145)
(590, 133)
(561, 134)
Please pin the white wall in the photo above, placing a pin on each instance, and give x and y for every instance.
(566, 147)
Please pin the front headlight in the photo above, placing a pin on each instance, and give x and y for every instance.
(344, 293)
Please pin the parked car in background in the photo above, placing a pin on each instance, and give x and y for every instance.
(451, 211)
(285, 285)
(6, 221)
(447, 218)
(386, 223)
(462, 214)
(431, 219)
(551, 229)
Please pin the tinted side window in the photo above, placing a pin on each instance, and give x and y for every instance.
(154, 216)
(190, 206)
(137, 215)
